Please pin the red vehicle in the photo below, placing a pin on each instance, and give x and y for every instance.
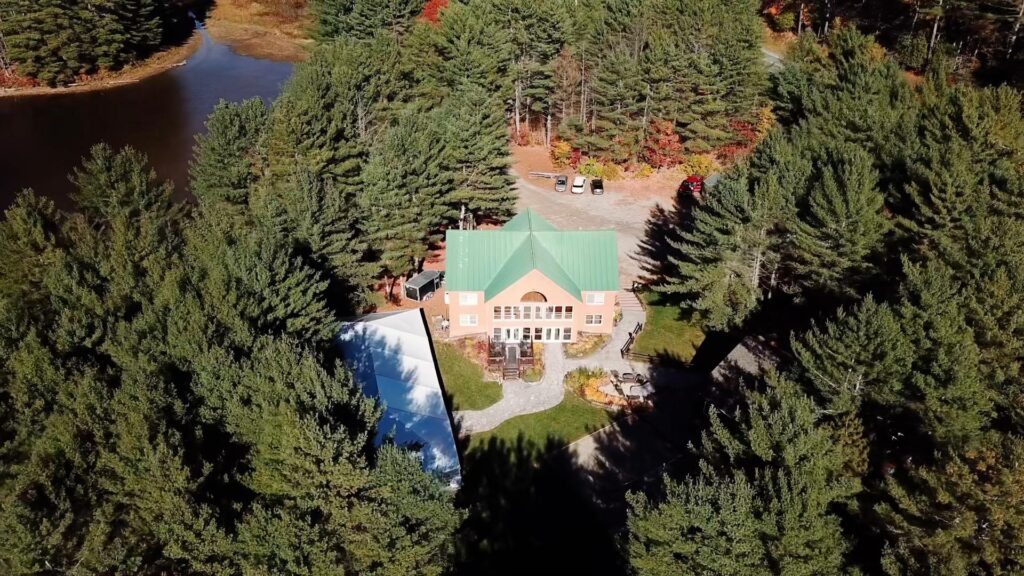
(694, 185)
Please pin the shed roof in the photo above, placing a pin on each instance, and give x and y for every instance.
(492, 260)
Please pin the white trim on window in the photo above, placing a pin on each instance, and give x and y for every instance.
(468, 319)
(595, 298)
(593, 319)
(468, 299)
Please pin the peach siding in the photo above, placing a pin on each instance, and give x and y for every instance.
(513, 295)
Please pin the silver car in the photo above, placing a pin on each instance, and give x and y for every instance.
(561, 183)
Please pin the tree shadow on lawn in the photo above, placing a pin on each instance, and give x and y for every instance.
(532, 510)
(659, 439)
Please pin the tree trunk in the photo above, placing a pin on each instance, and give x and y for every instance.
(917, 12)
(516, 112)
(800, 20)
(1016, 30)
(935, 32)
(547, 130)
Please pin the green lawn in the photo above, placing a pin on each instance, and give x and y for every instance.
(571, 420)
(464, 380)
(668, 330)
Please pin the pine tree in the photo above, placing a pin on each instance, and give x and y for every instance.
(731, 254)
(362, 19)
(226, 160)
(475, 154)
(843, 225)
(767, 489)
(962, 515)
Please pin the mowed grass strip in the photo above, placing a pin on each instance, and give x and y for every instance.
(571, 420)
(464, 380)
(669, 330)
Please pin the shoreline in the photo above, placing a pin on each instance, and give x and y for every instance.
(245, 39)
(152, 66)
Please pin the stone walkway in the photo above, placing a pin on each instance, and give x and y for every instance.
(519, 397)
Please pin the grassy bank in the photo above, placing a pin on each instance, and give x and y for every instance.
(278, 30)
(668, 330)
(464, 380)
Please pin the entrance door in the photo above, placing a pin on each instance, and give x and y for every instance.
(552, 334)
(512, 335)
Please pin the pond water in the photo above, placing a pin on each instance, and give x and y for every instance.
(43, 138)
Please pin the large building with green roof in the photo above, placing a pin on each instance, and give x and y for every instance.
(531, 281)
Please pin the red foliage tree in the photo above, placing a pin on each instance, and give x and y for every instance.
(432, 10)
(663, 148)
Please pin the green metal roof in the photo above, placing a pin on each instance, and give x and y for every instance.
(490, 261)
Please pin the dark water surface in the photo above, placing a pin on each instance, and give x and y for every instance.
(42, 138)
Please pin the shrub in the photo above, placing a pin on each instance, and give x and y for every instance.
(561, 153)
(784, 21)
(578, 379)
(644, 170)
(596, 169)
(698, 165)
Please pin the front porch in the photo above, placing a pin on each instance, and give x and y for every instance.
(509, 358)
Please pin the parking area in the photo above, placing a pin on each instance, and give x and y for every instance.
(623, 213)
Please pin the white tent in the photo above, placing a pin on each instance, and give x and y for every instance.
(392, 358)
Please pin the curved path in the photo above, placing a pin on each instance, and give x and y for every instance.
(519, 397)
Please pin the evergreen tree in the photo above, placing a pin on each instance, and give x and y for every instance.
(768, 486)
(227, 158)
(362, 19)
(962, 515)
(843, 225)
(731, 253)
(475, 154)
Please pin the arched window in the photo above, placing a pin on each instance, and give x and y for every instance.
(533, 297)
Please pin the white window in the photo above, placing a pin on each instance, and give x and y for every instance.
(594, 320)
(468, 319)
(497, 312)
(468, 298)
(567, 334)
(595, 298)
(568, 312)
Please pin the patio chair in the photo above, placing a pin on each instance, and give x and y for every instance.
(615, 376)
(628, 377)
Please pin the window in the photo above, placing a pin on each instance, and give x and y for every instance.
(558, 312)
(468, 298)
(549, 313)
(593, 320)
(527, 312)
(566, 334)
(497, 334)
(517, 312)
(497, 312)
(595, 298)
(508, 312)
(538, 333)
(527, 334)
(468, 319)
(568, 312)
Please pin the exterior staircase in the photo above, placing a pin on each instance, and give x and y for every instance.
(629, 302)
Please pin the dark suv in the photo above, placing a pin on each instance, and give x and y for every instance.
(597, 186)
